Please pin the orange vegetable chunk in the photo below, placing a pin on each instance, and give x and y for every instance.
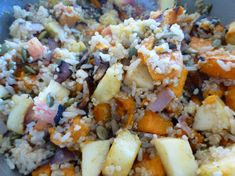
(218, 63)
(153, 123)
(178, 90)
(42, 170)
(230, 97)
(102, 112)
(152, 165)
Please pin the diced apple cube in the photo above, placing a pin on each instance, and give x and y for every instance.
(56, 90)
(122, 154)
(74, 46)
(166, 4)
(138, 73)
(110, 84)
(221, 163)
(16, 117)
(176, 156)
(54, 28)
(212, 115)
(93, 157)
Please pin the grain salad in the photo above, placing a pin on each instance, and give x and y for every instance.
(91, 88)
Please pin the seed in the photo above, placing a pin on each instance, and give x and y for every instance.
(3, 49)
(114, 126)
(102, 132)
(69, 102)
(216, 43)
(50, 100)
(42, 35)
(132, 52)
(24, 54)
(169, 35)
(29, 69)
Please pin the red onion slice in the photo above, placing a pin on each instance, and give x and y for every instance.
(183, 125)
(52, 44)
(3, 127)
(182, 118)
(64, 72)
(62, 156)
(163, 99)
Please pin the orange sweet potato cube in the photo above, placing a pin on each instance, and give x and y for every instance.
(230, 97)
(153, 123)
(102, 112)
(152, 165)
(42, 170)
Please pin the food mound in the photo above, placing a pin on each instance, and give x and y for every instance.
(106, 87)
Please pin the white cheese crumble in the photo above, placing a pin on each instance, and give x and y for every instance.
(175, 29)
(96, 39)
(81, 76)
(225, 66)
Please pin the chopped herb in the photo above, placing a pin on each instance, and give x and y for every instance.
(132, 52)
(59, 114)
(29, 69)
(3, 49)
(50, 100)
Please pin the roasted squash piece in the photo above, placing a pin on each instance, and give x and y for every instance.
(152, 165)
(102, 112)
(230, 97)
(218, 63)
(69, 16)
(230, 35)
(42, 170)
(175, 61)
(126, 105)
(201, 45)
(171, 15)
(77, 130)
(153, 123)
(70, 171)
(83, 131)
(178, 90)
